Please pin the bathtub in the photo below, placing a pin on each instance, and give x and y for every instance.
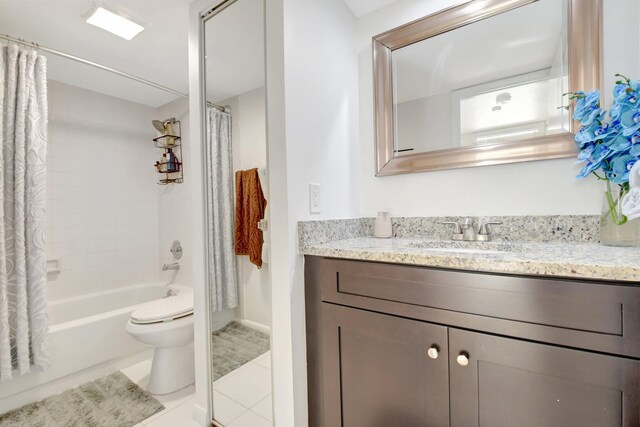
(84, 332)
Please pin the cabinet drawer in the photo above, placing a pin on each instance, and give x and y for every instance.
(601, 316)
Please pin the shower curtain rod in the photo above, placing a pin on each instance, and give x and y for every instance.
(103, 67)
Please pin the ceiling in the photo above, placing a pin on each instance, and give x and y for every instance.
(234, 44)
(362, 7)
(159, 53)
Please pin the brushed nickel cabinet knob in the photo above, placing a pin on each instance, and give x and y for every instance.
(463, 359)
(433, 352)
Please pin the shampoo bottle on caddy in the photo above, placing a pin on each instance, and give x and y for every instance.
(383, 227)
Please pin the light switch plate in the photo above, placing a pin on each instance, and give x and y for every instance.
(314, 199)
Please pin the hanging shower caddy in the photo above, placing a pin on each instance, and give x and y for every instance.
(171, 143)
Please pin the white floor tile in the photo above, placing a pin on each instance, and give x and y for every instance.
(182, 416)
(171, 401)
(229, 375)
(226, 410)
(139, 373)
(250, 385)
(264, 408)
(249, 419)
(264, 360)
(174, 399)
(217, 383)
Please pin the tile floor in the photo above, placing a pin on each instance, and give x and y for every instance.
(242, 398)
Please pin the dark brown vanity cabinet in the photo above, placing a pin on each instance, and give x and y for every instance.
(382, 373)
(380, 353)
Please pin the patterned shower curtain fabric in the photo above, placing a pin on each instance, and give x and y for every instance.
(24, 322)
(221, 262)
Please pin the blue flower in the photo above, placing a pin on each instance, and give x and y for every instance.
(586, 135)
(589, 118)
(621, 166)
(586, 104)
(626, 93)
(585, 154)
(602, 153)
(621, 91)
(596, 132)
(586, 170)
(630, 121)
(620, 144)
(617, 109)
(609, 143)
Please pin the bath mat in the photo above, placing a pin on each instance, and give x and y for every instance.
(112, 401)
(234, 345)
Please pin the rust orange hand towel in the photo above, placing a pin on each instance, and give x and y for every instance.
(250, 207)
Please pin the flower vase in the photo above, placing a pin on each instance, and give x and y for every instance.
(615, 228)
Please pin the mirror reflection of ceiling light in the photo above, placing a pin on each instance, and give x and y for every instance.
(114, 23)
(506, 135)
(501, 99)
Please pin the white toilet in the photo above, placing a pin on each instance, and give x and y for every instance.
(167, 324)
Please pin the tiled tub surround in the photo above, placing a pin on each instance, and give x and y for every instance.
(102, 202)
(563, 246)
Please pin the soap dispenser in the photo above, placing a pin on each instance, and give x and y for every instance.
(383, 228)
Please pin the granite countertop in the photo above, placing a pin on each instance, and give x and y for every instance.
(558, 259)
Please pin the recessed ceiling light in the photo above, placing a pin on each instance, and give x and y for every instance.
(114, 23)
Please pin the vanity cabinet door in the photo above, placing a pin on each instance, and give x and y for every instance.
(381, 371)
(508, 382)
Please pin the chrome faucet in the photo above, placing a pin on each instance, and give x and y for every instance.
(467, 232)
(484, 235)
(172, 266)
(457, 230)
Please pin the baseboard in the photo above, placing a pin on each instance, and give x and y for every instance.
(200, 415)
(254, 325)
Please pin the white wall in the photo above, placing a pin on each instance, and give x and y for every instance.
(248, 134)
(101, 198)
(424, 124)
(174, 202)
(312, 142)
(545, 187)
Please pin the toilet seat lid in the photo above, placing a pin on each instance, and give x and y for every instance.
(164, 309)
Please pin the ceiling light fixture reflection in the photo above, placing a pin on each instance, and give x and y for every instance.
(114, 23)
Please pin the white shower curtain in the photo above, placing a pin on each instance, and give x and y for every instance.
(23, 277)
(223, 282)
